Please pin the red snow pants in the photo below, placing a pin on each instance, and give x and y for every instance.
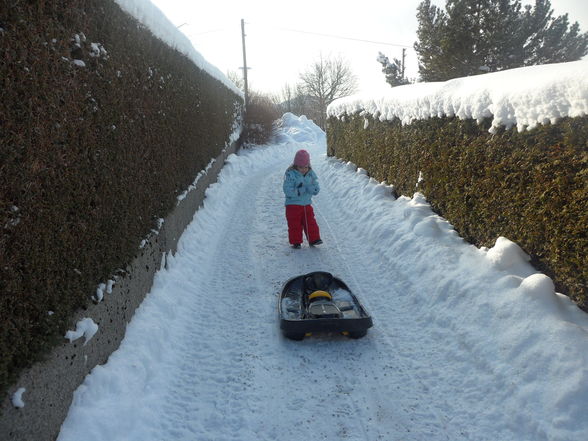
(301, 218)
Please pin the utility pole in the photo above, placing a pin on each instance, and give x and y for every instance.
(244, 64)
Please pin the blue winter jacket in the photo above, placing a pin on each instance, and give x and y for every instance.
(298, 188)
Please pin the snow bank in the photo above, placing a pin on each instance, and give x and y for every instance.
(524, 97)
(150, 16)
(504, 314)
(299, 129)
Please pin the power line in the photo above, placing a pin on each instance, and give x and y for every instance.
(339, 37)
(210, 32)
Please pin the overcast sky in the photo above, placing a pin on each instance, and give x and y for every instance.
(282, 41)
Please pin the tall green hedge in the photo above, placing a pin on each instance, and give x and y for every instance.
(531, 187)
(92, 153)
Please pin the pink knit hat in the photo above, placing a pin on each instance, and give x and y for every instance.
(302, 158)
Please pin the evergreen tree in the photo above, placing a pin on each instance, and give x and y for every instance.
(394, 71)
(429, 47)
(476, 36)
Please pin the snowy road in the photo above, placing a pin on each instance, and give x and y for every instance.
(467, 344)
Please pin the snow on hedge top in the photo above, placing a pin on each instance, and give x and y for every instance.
(523, 97)
(160, 26)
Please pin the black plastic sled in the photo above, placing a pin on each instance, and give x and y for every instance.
(319, 302)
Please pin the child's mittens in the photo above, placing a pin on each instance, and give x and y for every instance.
(303, 188)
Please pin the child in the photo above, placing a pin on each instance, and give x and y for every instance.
(300, 185)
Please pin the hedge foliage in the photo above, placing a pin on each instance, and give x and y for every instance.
(531, 187)
(261, 114)
(102, 126)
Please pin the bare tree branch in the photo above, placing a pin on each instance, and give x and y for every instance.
(327, 80)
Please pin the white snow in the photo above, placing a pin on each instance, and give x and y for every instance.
(151, 17)
(194, 184)
(109, 285)
(100, 292)
(467, 343)
(234, 136)
(524, 97)
(97, 50)
(17, 400)
(105, 287)
(506, 254)
(84, 328)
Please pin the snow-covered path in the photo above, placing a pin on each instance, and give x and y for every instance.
(467, 344)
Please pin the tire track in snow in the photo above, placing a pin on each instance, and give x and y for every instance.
(212, 390)
(289, 368)
(360, 274)
(304, 379)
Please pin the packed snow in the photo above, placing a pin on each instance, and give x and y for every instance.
(151, 17)
(467, 343)
(17, 400)
(86, 328)
(524, 97)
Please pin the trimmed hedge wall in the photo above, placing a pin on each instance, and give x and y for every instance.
(92, 153)
(531, 187)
